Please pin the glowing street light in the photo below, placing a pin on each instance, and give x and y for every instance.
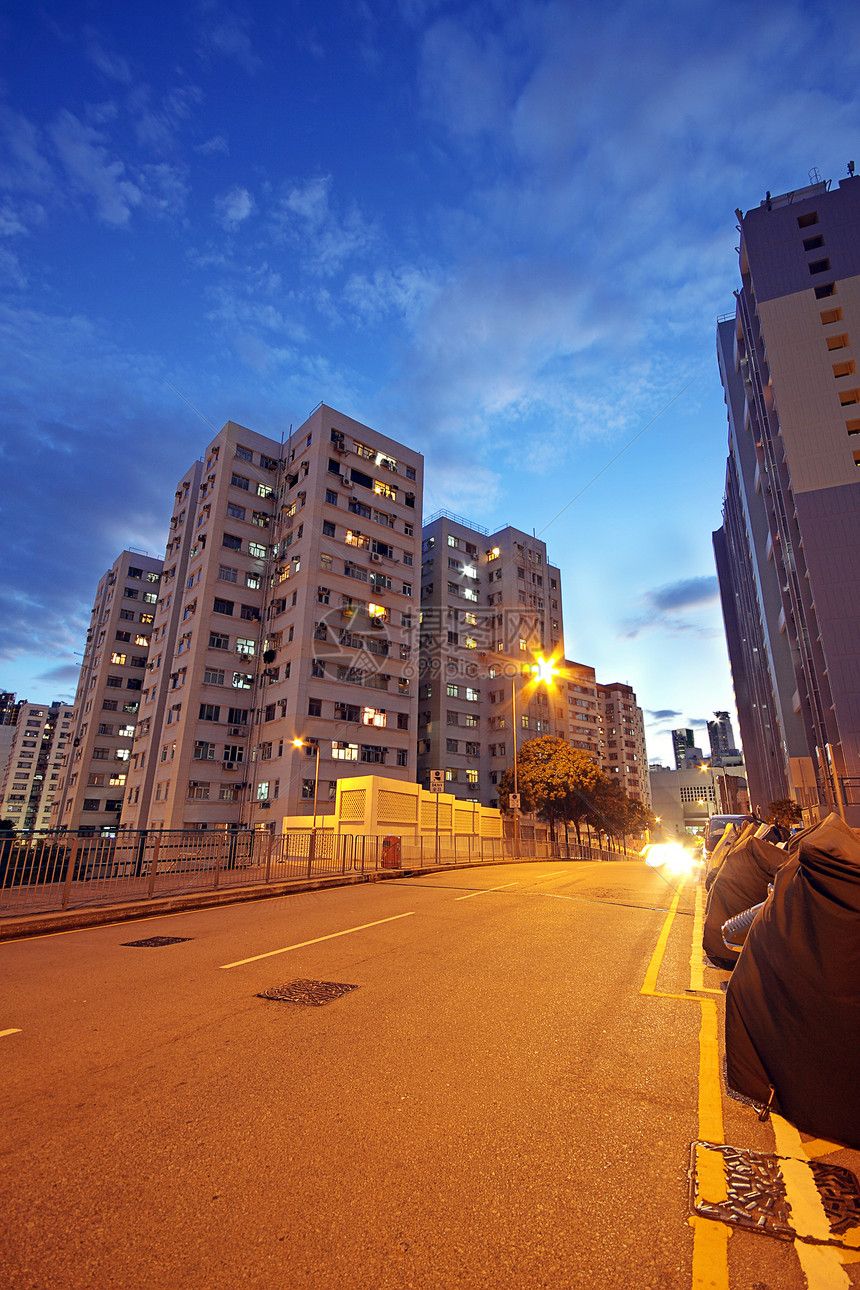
(302, 743)
(545, 671)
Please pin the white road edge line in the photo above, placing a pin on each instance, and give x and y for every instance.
(331, 936)
(485, 890)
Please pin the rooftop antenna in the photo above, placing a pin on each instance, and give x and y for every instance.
(814, 175)
(851, 169)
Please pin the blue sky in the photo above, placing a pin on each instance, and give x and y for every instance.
(499, 232)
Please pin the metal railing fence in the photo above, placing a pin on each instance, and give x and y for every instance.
(44, 872)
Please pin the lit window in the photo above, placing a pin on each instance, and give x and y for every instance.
(118, 658)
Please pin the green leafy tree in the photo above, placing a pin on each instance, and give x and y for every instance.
(555, 780)
(785, 811)
(608, 813)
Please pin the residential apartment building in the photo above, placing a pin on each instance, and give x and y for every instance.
(490, 603)
(788, 554)
(577, 685)
(43, 735)
(107, 702)
(286, 612)
(9, 707)
(624, 755)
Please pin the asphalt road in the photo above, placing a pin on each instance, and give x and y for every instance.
(495, 1105)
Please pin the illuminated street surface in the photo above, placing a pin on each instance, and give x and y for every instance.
(507, 1098)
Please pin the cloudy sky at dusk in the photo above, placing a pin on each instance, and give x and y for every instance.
(501, 233)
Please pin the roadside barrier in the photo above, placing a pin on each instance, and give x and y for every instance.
(49, 871)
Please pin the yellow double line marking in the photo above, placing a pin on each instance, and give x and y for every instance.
(822, 1265)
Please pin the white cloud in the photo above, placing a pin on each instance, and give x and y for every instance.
(233, 208)
(110, 64)
(228, 37)
(26, 168)
(92, 171)
(327, 239)
(216, 146)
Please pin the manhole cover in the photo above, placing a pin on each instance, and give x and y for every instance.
(756, 1196)
(160, 940)
(311, 993)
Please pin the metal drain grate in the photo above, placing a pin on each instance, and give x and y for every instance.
(840, 1195)
(756, 1196)
(311, 993)
(160, 940)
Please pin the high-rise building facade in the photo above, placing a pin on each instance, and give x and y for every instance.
(107, 702)
(721, 737)
(287, 610)
(624, 754)
(683, 746)
(43, 737)
(490, 603)
(788, 553)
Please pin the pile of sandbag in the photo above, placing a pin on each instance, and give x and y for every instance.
(793, 1002)
(742, 880)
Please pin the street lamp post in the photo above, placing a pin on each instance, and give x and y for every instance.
(544, 670)
(301, 743)
(516, 781)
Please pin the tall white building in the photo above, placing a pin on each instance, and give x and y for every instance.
(489, 604)
(286, 612)
(43, 735)
(106, 706)
(624, 755)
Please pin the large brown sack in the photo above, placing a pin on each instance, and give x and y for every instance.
(741, 882)
(793, 1003)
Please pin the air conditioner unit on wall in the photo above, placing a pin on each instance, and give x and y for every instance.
(229, 765)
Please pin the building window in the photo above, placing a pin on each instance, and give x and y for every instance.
(230, 540)
(210, 712)
(203, 751)
(217, 640)
(239, 481)
(226, 574)
(223, 606)
(236, 512)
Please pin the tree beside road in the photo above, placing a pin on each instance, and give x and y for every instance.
(564, 785)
